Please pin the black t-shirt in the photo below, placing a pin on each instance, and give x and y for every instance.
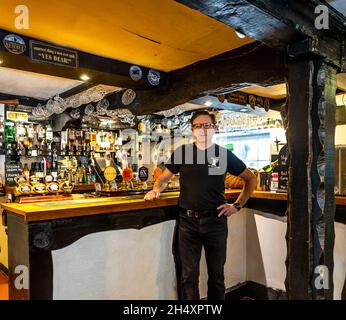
(202, 174)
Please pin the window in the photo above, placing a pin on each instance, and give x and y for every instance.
(253, 149)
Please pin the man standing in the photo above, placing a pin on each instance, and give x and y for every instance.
(203, 210)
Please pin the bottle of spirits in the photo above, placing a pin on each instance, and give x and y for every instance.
(71, 140)
(26, 172)
(270, 167)
(49, 134)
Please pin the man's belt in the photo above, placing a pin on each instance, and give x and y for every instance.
(198, 213)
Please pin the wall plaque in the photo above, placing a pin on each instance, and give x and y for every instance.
(46, 53)
(237, 98)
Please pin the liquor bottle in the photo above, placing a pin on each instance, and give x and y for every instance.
(93, 138)
(2, 134)
(49, 134)
(85, 140)
(270, 167)
(21, 151)
(102, 140)
(26, 171)
(84, 177)
(41, 135)
(9, 133)
(78, 142)
(29, 139)
(71, 139)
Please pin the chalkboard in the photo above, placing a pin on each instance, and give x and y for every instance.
(12, 170)
(283, 168)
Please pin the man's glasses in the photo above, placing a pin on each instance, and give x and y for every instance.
(207, 125)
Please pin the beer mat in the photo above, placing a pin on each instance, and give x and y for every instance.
(44, 198)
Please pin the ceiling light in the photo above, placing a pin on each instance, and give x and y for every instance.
(240, 35)
(208, 103)
(84, 77)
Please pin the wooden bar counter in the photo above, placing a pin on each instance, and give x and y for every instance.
(77, 207)
(39, 232)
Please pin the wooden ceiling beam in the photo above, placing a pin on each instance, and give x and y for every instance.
(279, 23)
(25, 101)
(252, 63)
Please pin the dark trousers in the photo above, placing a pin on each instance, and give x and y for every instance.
(211, 233)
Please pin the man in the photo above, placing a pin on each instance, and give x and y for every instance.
(203, 210)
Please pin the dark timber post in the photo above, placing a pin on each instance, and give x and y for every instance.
(311, 203)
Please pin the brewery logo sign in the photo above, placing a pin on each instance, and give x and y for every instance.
(154, 77)
(136, 73)
(143, 174)
(14, 44)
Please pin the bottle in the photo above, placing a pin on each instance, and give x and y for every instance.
(9, 133)
(270, 167)
(26, 172)
(49, 134)
(78, 142)
(71, 139)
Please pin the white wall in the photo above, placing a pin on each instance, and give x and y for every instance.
(340, 134)
(267, 250)
(339, 259)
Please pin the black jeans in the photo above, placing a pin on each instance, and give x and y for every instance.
(211, 233)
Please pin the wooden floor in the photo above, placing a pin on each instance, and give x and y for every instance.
(3, 287)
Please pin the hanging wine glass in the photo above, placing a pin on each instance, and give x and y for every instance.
(96, 96)
(75, 114)
(50, 106)
(38, 112)
(84, 99)
(59, 105)
(102, 106)
(89, 109)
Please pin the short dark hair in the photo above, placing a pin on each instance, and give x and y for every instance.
(203, 113)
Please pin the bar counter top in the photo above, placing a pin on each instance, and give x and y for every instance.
(82, 206)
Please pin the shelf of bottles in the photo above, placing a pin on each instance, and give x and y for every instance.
(28, 139)
(83, 142)
(66, 155)
(71, 155)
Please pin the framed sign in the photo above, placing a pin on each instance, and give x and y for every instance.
(237, 98)
(12, 171)
(283, 168)
(17, 116)
(46, 53)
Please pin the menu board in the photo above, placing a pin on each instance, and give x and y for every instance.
(12, 170)
(283, 169)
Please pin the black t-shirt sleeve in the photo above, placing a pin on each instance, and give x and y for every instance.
(234, 165)
(174, 163)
